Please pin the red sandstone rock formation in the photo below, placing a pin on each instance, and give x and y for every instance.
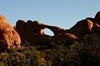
(81, 27)
(8, 36)
(86, 26)
(32, 30)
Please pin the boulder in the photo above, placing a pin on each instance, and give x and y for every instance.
(8, 35)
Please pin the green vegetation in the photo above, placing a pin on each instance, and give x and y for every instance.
(83, 53)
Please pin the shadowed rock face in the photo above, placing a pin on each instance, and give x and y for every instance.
(21, 28)
(27, 29)
(35, 26)
(40, 40)
(64, 38)
(96, 22)
(97, 18)
(10, 38)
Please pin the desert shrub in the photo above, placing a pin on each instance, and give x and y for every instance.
(90, 56)
(83, 53)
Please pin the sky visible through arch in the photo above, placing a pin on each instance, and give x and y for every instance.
(61, 13)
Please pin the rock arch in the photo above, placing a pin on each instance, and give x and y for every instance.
(48, 32)
(56, 30)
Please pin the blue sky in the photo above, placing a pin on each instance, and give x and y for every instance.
(62, 13)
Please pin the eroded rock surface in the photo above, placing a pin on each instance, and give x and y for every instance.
(9, 38)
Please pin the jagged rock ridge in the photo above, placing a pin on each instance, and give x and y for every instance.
(33, 31)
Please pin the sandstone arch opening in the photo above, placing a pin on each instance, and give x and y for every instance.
(48, 32)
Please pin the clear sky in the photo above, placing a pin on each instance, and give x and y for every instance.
(62, 13)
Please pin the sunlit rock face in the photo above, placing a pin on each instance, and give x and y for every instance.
(9, 38)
